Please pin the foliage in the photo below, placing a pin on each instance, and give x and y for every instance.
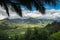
(4, 24)
(3, 36)
(29, 31)
(55, 36)
(36, 34)
(54, 27)
(30, 34)
(16, 5)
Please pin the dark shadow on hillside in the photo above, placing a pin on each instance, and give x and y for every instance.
(4, 24)
(54, 27)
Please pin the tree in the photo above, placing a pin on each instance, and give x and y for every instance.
(16, 4)
(55, 36)
(53, 28)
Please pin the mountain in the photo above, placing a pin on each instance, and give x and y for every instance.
(29, 20)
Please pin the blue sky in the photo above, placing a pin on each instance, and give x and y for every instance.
(57, 7)
(48, 7)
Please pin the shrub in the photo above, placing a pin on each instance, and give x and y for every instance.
(36, 34)
(55, 36)
(3, 36)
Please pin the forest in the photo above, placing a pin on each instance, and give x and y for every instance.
(44, 30)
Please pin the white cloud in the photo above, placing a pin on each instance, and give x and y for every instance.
(3, 14)
(50, 14)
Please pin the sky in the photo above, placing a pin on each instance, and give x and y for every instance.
(51, 13)
(52, 7)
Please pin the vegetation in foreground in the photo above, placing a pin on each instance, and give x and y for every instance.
(12, 31)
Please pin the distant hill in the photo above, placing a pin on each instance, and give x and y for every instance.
(16, 23)
(6, 24)
(29, 21)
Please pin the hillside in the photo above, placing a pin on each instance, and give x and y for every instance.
(17, 23)
(31, 21)
(54, 27)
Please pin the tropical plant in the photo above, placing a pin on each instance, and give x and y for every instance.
(16, 5)
(55, 36)
(36, 34)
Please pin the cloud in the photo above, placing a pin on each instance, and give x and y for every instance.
(50, 14)
(3, 14)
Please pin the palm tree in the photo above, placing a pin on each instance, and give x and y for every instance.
(16, 4)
